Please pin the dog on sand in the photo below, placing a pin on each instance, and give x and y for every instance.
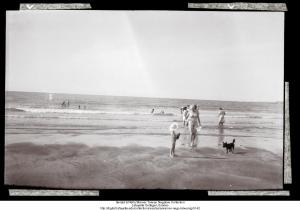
(229, 146)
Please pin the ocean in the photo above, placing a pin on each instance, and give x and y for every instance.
(42, 113)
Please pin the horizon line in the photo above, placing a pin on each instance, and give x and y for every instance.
(277, 101)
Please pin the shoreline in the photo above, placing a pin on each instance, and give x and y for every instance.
(152, 141)
(76, 163)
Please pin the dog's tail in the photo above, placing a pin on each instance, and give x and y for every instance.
(233, 141)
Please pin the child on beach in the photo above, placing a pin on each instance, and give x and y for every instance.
(174, 137)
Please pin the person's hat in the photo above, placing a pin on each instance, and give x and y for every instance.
(173, 126)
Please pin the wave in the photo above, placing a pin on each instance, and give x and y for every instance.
(165, 114)
(15, 110)
(81, 111)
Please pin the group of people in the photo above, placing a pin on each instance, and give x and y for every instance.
(66, 104)
(161, 112)
(191, 120)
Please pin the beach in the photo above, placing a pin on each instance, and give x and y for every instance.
(115, 143)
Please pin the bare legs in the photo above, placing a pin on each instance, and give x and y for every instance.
(193, 139)
(172, 150)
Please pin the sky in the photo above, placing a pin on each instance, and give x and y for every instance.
(231, 56)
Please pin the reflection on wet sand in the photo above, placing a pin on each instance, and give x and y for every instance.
(221, 135)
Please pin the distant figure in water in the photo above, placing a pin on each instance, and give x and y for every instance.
(162, 112)
(184, 108)
(181, 109)
(174, 137)
(221, 116)
(185, 113)
(63, 104)
(79, 107)
(152, 111)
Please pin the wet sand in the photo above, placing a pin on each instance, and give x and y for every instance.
(74, 162)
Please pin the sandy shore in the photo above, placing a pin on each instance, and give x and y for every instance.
(71, 161)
